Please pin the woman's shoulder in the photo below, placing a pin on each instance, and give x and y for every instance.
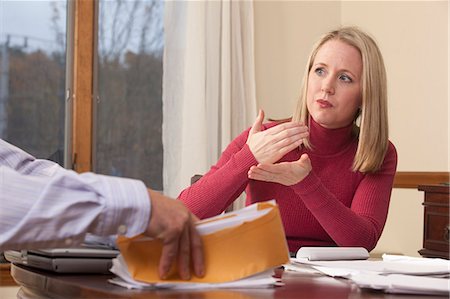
(391, 150)
(390, 158)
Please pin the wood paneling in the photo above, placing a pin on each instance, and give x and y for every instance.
(405, 179)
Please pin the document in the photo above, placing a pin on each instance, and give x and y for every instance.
(403, 284)
(261, 280)
(237, 245)
(393, 274)
(379, 267)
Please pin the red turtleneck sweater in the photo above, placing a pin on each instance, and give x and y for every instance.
(332, 206)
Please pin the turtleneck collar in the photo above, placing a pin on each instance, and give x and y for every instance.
(329, 141)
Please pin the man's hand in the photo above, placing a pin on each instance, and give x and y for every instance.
(270, 145)
(285, 173)
(171, 222)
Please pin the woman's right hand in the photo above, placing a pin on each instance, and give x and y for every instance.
(271, 145)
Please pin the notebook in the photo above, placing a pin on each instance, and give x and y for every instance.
(65, 260)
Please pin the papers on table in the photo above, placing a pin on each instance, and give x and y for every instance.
(403, 284)
(124, 279)
(240, 247)
(393, 274)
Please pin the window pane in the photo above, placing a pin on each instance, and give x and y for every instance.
(129, 107)
(32, 76)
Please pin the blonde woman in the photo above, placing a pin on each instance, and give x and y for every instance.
(331, 168)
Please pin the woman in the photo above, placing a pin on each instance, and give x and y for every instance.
(331, 179)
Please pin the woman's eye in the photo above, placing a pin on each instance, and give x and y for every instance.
(345, 78)
(319, 71)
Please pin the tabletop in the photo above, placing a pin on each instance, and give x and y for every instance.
(41, 284)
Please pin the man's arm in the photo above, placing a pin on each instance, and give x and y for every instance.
(45, 205)
(58, 210)
(24, 163)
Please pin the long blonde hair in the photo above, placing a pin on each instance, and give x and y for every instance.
(373, 129)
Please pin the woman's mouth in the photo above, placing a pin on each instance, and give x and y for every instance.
(324, 103)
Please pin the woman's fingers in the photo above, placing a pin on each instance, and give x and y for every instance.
(286, 173)
(262, 172)
(257, 125)
(270, 145)
(286, 129)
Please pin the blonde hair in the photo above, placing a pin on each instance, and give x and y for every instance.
(373, 129)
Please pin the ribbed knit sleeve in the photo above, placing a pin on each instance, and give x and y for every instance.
(223, 183)
(363, 222)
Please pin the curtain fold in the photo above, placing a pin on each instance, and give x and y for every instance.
(208, 84)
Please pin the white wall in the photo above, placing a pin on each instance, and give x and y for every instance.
(284, 35)
(413, 37)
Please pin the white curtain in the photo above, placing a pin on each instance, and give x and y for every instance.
(208, 84)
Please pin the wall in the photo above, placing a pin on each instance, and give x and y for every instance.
(413, 37)
(284, 35)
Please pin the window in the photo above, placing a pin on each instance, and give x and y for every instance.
(117, 134)
(32, 76)
(128, 110)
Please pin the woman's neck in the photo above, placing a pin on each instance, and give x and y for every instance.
(329, 141)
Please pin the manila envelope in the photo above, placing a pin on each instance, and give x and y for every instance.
(231, 253)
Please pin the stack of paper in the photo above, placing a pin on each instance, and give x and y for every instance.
(124, 279)
(241, 249)
(393, 274)
(403, 284)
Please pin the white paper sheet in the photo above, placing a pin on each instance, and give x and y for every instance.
(389, 266)
(124, 279)
(404, 284)
(394, 274)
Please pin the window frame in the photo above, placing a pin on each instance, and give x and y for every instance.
(81, 35)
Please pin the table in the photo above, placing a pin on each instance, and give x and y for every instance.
(5, 276)
(42, 284)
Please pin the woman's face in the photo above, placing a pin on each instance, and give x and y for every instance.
(334, 85)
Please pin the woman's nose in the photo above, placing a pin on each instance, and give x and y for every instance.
(327, 86)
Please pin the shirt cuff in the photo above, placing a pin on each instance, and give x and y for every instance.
(127, 207)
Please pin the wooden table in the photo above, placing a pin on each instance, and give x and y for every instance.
(5, 275)
(41, 284)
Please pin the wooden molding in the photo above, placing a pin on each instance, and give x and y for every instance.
(83, 85)
(410, 179)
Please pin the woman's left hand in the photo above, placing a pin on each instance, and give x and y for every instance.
(285, 173)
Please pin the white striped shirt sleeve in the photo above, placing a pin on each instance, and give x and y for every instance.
(43, 205)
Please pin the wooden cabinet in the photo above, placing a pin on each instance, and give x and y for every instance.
(436, 221)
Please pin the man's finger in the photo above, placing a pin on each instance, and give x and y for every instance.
(197, 251)
(184, 255)
(168, 255)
